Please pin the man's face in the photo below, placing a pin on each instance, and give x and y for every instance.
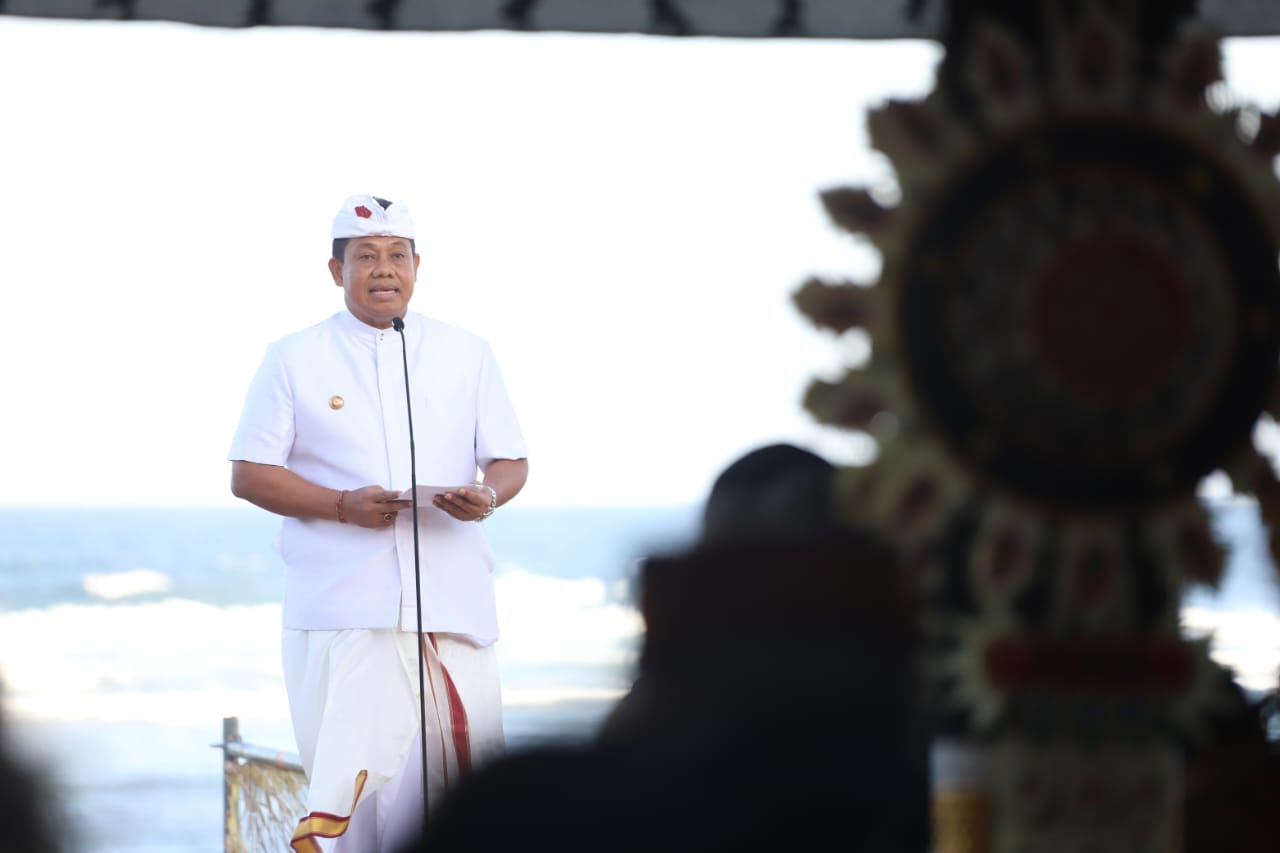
(377, 276)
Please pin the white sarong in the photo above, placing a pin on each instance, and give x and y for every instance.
(354, 699)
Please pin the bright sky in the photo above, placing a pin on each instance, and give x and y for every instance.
(625, 218)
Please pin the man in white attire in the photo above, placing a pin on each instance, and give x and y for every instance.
(324, 441)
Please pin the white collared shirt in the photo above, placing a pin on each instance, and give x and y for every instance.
(329, 403)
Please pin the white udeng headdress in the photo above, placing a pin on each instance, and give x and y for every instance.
(363, 216)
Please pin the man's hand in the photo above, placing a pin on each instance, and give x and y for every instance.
(372, 506)
(465, 503)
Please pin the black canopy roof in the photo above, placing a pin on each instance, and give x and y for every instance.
(826, 19)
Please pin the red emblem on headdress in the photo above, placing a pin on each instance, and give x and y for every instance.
(363, 212)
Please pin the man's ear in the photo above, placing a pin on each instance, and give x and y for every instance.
(335, 270)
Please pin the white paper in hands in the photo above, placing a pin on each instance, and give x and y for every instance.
(426, 493)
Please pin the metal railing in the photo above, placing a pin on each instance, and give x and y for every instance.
(263, 794)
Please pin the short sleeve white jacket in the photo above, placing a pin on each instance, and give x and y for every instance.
(329, 403)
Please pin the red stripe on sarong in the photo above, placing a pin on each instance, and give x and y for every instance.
(457, 717)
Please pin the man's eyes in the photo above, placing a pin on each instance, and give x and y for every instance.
(400, 257)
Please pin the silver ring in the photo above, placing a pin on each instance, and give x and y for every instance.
(386, 516)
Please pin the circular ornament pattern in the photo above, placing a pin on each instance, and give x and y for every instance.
(1088, 315)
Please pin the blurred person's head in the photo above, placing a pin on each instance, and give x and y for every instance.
(775, 492)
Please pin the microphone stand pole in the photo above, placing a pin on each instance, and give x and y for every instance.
(417, 574)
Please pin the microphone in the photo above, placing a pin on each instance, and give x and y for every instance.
(398, 324)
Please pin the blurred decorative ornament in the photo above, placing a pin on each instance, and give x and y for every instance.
(1076, 322)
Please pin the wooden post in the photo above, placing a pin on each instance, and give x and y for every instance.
(231, 841)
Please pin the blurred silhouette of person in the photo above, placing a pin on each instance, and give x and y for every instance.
(28, 802)
(778, 493)
(775, 697)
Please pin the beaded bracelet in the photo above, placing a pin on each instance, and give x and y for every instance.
(342, 519)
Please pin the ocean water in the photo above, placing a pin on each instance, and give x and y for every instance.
(127, 635)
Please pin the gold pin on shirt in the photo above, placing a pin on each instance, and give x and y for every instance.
(336, 402)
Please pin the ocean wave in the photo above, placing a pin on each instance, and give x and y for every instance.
(115, 586)
(181, 661)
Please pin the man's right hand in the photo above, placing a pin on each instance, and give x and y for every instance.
(373, 506)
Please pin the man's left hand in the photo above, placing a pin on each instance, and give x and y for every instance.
(464, 503)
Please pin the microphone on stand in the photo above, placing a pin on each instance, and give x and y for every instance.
(398, 324)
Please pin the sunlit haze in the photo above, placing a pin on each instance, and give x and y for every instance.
(624, 218)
